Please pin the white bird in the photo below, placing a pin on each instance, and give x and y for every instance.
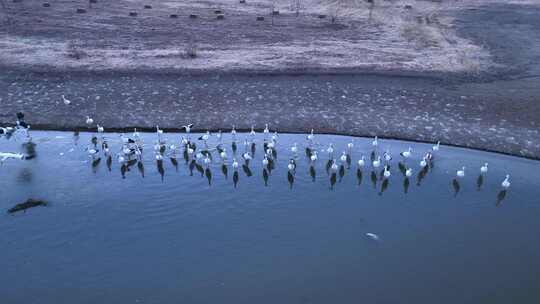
(207, 161)
(386, 172)
(187, 127)
(66, 101)
(408, 172)
(362, 162)
(266, 130)
(375, 142)
(461, 173)
(159, 131)
(436, 147)
(206, 136)
(506, 182)
(373, 236)
(330, 150)
(247, 156)
(233, 132)
(223, 155)
(387, 156)
(484, 168)
(159, 157)
(294, 148)
(406, 154)
(219, 136)
(6, 155)
(334, 166)
(291, 166)
(265, 161)
(350, 146)
(235, 164)
(310, 137)
(314, 156)
(343, 157)
(92, 152)
(252, 132)
(100, 129)
(89, 120)
(423, 162)
(136, 134)
(377, 163)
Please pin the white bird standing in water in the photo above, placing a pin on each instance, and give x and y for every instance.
(100, 129)
(252, 132)
(386, 172)
(484, 168)
(506, 182)
(461, 173)
(136, 134)
(310, 137)
(377, 162)
(265, 161)
(234, 164)
(89, 120)
(207, 161)
(223, 155)
(406, 154)
(408, 172)
(343, 157)
(294, 149)
(266, 131)
(314, 156)
(66, 101)
(423, 162)
(330, 151)
(436, 147)
(334, 166)
(362, 162)
(233, 132)
(375, 142)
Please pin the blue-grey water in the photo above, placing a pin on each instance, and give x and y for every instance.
(108, 239)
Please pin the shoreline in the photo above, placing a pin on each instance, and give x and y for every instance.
(241, 131)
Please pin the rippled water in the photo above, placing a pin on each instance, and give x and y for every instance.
(104, 238)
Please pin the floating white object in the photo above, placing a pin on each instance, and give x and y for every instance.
(373, 236)
(506, 182)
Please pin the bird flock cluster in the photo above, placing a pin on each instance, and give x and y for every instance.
(198, 153)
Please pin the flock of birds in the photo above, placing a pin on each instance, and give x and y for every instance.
(198, 153)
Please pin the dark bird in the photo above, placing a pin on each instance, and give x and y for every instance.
(30, 203)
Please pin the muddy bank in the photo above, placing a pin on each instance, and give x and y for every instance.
(498, 111)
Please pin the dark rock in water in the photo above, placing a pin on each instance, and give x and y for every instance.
(30, 203)
(173, 16)
(260, 18)
(218, 12)
(275, 13)
(17, 1)
(46, 4)
(193, 16)
(92, 1)
(81, 11)
(148, 7)
(133, 14)
(220, 17)
(322, 16)
(242, 1)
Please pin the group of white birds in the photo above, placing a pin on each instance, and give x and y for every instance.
(133, 147)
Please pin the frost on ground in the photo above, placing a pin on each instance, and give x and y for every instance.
(389, 35)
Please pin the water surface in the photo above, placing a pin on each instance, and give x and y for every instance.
(105, 238)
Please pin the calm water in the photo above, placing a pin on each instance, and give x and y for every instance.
(107, 239)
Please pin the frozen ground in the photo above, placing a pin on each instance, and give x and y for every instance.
(391, 38)
(497, 111)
